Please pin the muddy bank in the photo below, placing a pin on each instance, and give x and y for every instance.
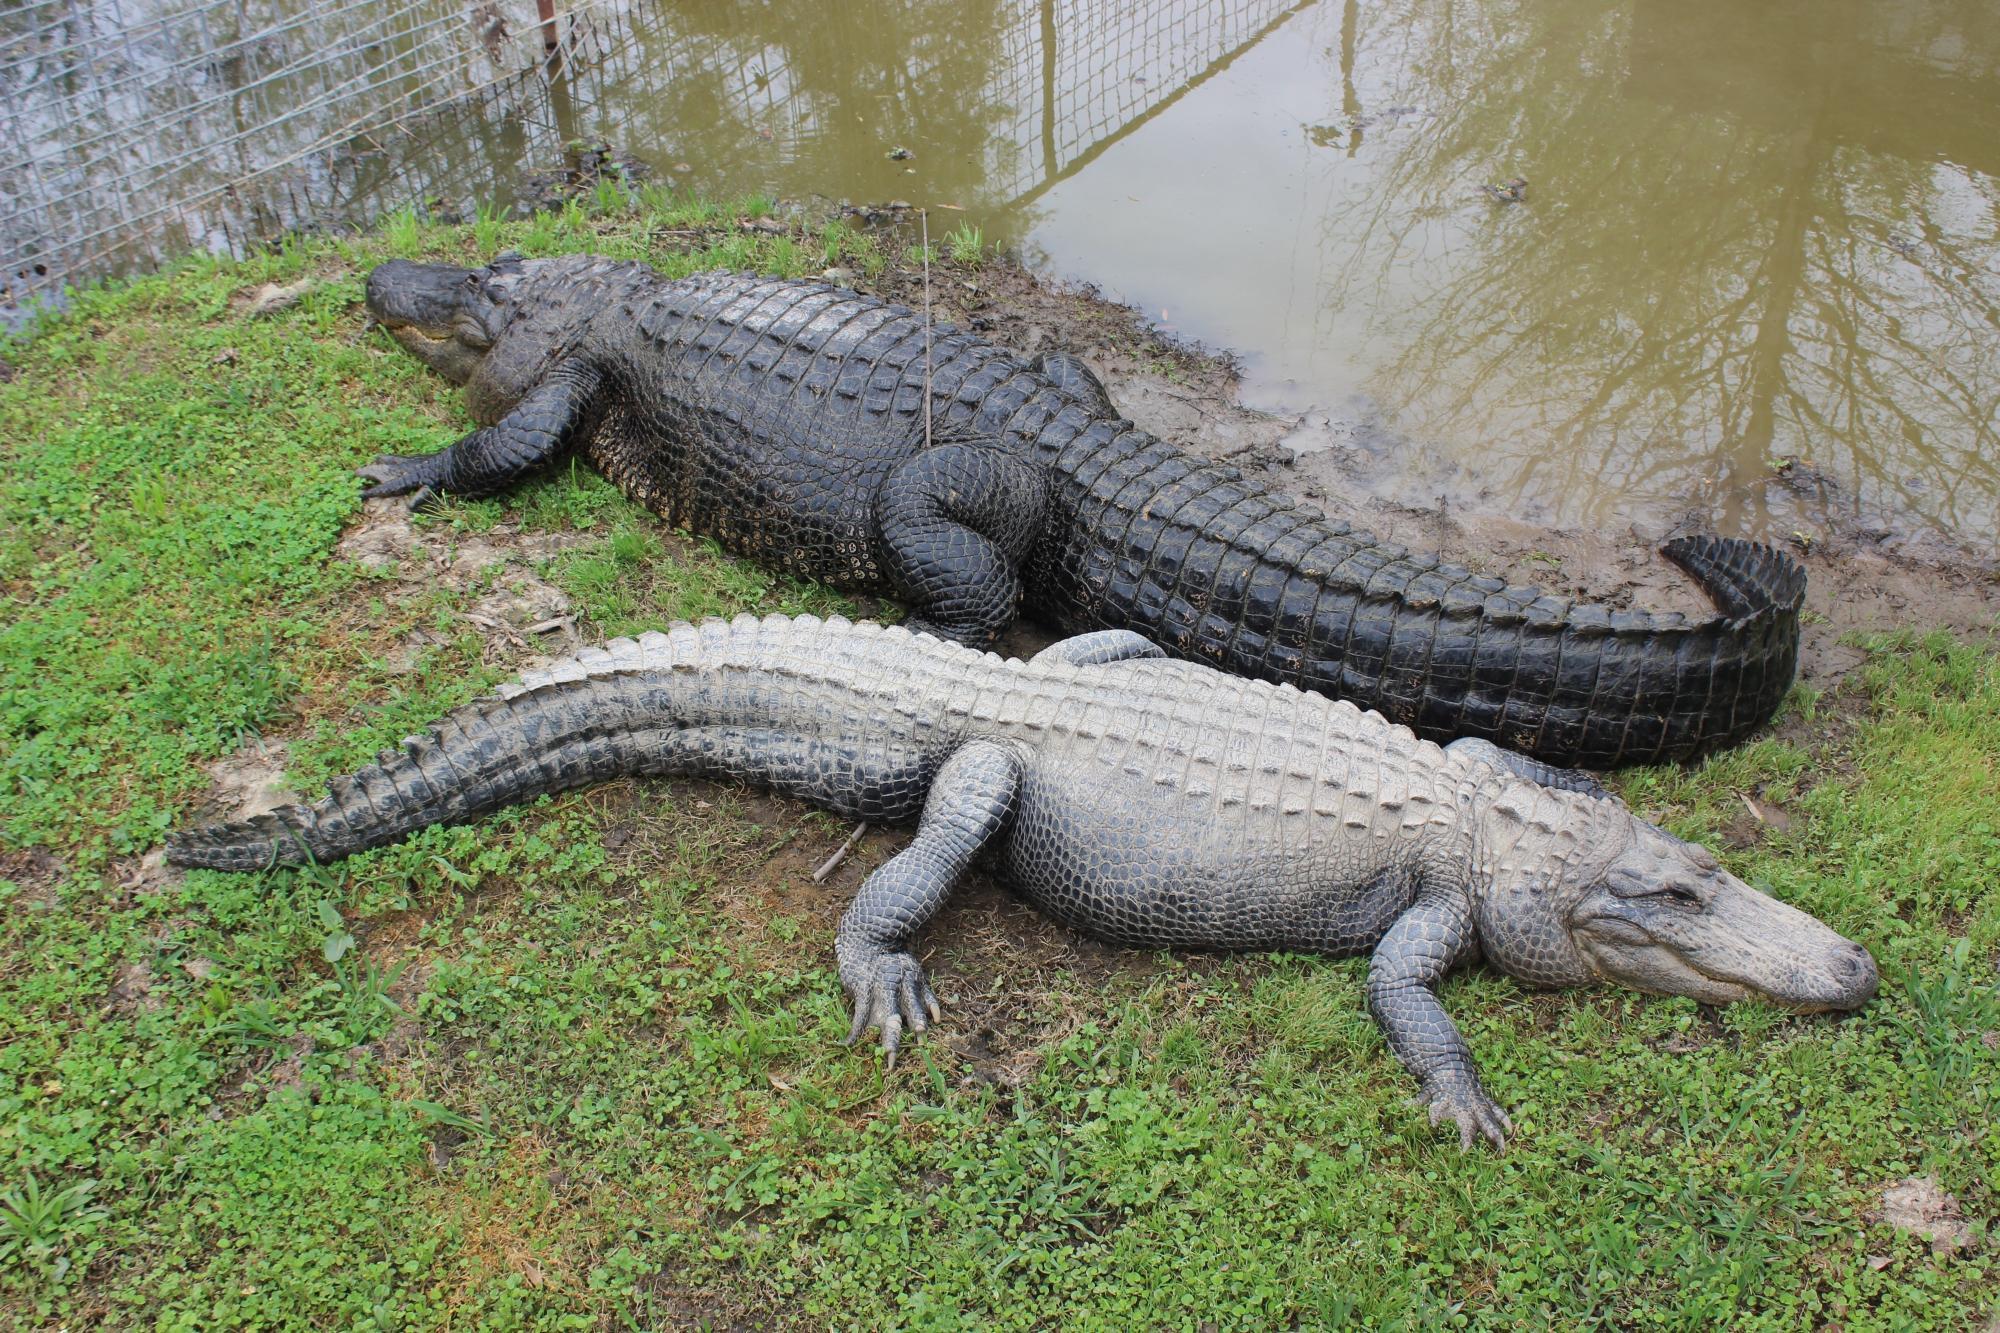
(1862, 579)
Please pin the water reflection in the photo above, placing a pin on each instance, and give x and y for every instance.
(1754, 234)
(145, 129)
(1754, 275)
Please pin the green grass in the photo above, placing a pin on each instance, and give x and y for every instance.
(578, 1067)
(965, 244)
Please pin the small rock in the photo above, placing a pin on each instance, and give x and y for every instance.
(270, 298)
(1918, 1205)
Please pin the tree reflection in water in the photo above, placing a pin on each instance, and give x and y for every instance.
(1754, 233)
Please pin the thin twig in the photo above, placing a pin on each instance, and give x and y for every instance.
(924, 217)
(828, 866)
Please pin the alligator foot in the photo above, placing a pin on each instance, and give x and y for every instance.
(402, 474)
(889, 991)
(1466, 1103)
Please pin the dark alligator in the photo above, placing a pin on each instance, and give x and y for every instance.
(788, 420)
(1150, 802)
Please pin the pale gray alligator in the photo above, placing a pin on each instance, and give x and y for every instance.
(1145, 801)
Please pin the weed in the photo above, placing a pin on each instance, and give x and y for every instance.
(965, 244)
(486, 228)
(36, 1228)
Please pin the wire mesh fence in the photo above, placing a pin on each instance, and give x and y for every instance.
(132, 130)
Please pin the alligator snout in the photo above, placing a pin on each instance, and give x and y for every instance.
(427, 297)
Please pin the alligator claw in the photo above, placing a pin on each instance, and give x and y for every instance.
(395, 474)
(1467, 1105)
(892, 994)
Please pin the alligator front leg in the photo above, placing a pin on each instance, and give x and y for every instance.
(956, 521)
(970, 803)
(556, 414)
(1426, 941)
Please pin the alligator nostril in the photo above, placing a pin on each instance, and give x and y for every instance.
(1856, 967)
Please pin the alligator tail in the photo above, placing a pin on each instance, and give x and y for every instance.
(484, 756)
(1746, 579)
(1584, 686)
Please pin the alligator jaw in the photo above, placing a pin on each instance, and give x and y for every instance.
(428, 308)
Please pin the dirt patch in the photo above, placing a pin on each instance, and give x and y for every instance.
(132, 990)
(1917, 1205)
(1011, 981)
(35, 874)
(250, 782)
(142, 876)
(522, 617)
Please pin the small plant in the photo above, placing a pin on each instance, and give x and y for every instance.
(834, 240)
(610, 195)
(404, 232)
(35, 1227)
(965, 244)
(486, 224)
(541, 234)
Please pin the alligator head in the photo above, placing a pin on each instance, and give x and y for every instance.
(446, 317)
(495, 329)
(1582, 890)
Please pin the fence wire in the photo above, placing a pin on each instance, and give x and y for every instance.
(133, 130)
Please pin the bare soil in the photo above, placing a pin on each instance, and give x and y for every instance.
(1860, 580)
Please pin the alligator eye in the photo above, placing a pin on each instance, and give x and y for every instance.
(1682, 897)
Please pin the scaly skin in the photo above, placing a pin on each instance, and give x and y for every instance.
(787, 420)
(1146, 801)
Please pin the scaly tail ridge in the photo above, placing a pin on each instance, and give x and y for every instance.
(1744, 578)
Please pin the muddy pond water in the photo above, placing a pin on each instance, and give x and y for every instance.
(1590, 263)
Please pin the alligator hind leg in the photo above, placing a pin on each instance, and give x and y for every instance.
(956, 521)
(970, 803)
(1100, 647)
(1521, 766)
(1067, 372)
(555, 414)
